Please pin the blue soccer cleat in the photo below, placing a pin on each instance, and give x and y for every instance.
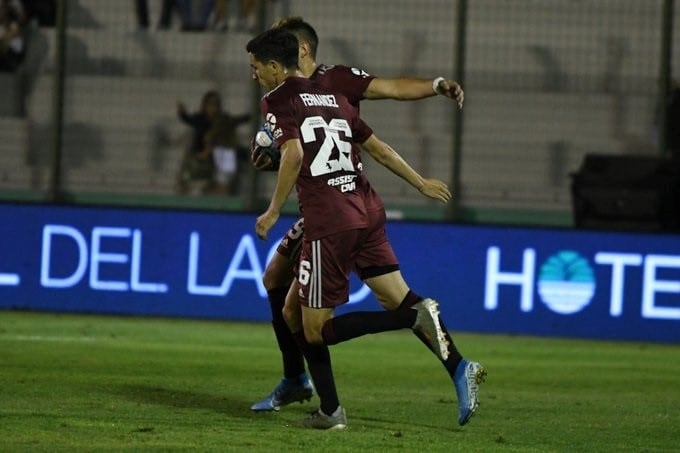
(467, 378)
(288, 391)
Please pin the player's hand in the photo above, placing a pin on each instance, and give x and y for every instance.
(265, 223)
(451, 89)
(436, 189)
(181, 108)
(260, 161)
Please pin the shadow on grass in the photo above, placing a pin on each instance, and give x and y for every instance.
(391, 424)
(236, 407)
(222, 403)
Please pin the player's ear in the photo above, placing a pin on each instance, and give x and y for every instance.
(304, 50)
(274, 66)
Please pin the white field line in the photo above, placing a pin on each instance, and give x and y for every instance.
(48, 338)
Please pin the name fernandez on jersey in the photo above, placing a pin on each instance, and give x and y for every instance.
(318, 100)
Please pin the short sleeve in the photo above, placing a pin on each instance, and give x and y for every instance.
(360, 130)
(351, 82)
(280, 120)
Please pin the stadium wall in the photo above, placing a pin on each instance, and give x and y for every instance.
(546, 84)
(548, 282)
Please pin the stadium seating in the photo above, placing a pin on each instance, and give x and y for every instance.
(534, 102)
(14, 171)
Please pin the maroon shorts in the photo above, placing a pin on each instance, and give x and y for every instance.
(325, 264)
(292, 240)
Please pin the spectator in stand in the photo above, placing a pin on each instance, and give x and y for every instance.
(12, 41)
(185, 8)
(213, 130)
(218, 20)
(142, 13)
(227, 153)
(41, 12)
(245, 20)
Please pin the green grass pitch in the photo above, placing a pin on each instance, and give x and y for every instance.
(74, 383)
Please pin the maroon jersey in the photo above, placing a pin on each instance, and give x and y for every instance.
(351, 82)
(330, 187)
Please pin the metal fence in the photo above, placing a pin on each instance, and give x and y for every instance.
(546, 82)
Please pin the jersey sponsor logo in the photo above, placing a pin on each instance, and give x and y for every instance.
(360, 72)
(321, 70)
(270, 123)
(318, 100)
(345, 183)
(270, 120)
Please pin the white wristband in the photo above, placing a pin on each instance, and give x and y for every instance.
(435, 85)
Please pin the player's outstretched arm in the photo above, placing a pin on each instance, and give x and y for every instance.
(389, 158)
(408, 88)
(291, 161)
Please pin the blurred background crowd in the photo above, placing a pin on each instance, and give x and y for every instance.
(151, 102)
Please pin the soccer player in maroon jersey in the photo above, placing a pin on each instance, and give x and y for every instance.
(318, 130)
(356, 85)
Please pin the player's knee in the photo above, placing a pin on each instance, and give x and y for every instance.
(269, 279)
(287, 314)
(276, 276)
(292, 318)
(313, 335)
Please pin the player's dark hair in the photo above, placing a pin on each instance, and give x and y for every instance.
(277, 45)
(302, 31)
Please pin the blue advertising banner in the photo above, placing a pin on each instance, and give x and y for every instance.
(554, 282)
